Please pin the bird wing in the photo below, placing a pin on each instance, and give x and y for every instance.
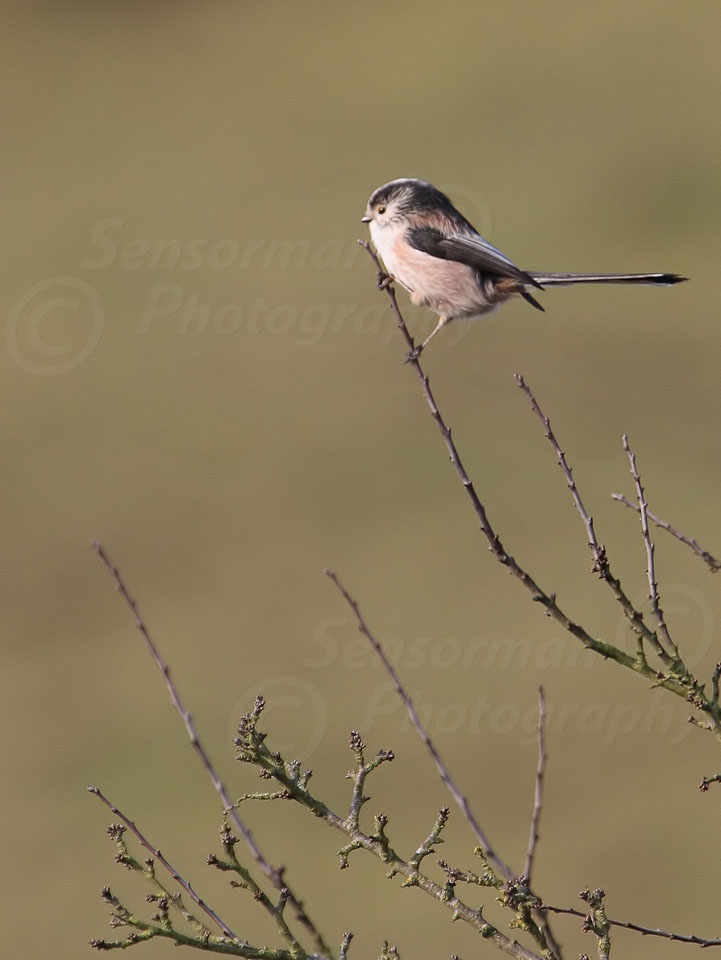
(470, 249)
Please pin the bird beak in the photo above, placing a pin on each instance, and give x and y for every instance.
(367, 217)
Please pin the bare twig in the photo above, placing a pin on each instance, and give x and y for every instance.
(543, 921)
(711, 562)
(650, 565)
(538, 795)
(597, 550)
(707, 781)
(601, 564)
(715, 677)
(646, 931)
(347, 937)
(157, 855)
(441, 767)
(363, 770)
(596, 921)
(275, 875)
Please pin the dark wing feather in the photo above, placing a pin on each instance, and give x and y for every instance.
(471, 249)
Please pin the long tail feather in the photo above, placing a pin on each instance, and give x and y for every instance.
(559, 279)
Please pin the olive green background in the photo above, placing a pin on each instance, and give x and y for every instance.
(197, 369)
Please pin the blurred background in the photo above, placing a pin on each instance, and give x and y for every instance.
(198, 370)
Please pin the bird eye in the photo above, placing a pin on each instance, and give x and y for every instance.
(381, 208)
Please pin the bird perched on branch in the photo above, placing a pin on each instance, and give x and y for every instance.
(445, 264)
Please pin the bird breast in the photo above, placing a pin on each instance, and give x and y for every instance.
(449, 288)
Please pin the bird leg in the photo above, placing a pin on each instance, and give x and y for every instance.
(417, 351)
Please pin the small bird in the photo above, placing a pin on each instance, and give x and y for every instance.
(445, 264)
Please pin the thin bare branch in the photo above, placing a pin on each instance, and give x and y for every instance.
(596, 549)
(601, 564)
(715, 676)
(650, 565)
(441, 767)
(543, 921)
(157, 855)
(275, 875)
(637, 928)
(538, 794)
(708, 558)
(347, 937)
(707, 781)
